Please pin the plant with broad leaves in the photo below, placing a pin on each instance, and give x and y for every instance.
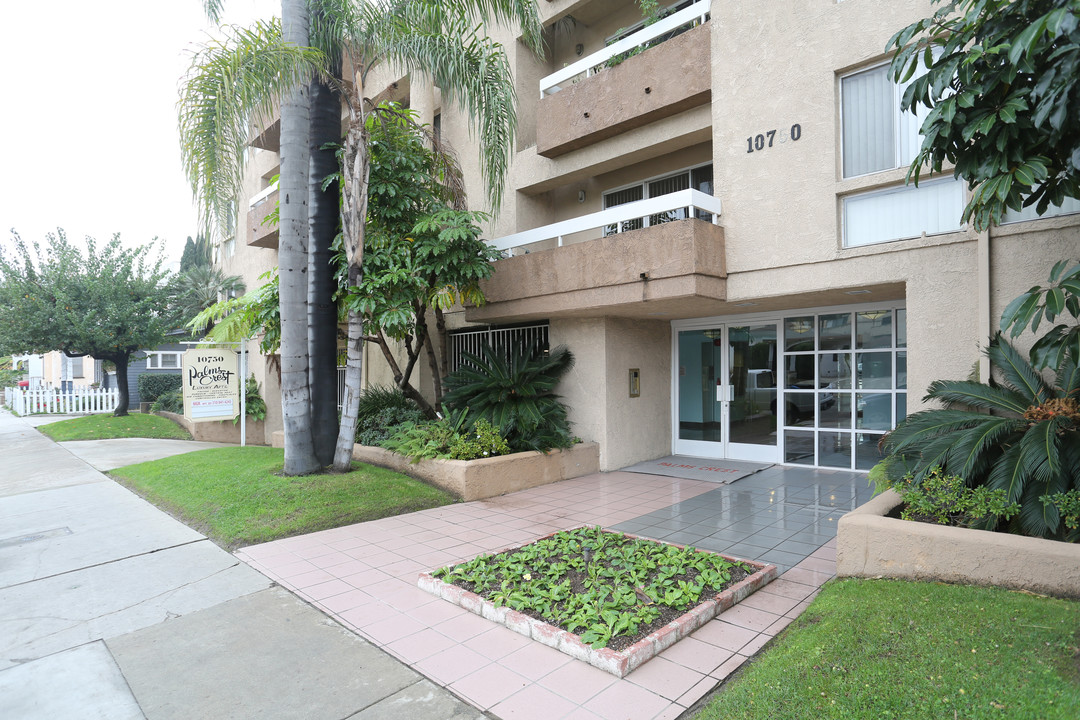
(1056, 302)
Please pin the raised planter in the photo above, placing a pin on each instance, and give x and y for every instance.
(870, 544)
(488, 477)
(619, 663)
(222, 431)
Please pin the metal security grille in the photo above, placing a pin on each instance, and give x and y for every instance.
(503, 339)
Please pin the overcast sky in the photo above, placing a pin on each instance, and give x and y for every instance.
(88, 137)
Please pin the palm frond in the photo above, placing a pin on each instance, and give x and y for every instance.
(1068, 376)
(977, 448)
(1018, 372)
(977, 395)
(230, 84)
(923, 426)
(1008, 473)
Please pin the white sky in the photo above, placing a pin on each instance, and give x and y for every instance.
(88, 138)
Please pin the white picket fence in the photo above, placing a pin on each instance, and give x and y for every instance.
(55, 402)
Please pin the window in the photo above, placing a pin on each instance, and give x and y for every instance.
(876, 134)
(699, 178)
(876, 137)
(1069, 206)
(163, 360)
(77, 368)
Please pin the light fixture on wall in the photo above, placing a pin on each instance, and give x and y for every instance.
(800, 327)
(874, 314)
(578, 49)
(581, 196)
(713, 334)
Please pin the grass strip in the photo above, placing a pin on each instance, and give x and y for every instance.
(108, 427)
(236, 496)
(894, 649)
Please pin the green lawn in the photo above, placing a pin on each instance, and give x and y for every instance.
(107, 427)
(893, 649)
(236, 497)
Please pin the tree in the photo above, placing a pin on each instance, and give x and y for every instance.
(423, 250)
(196, 253)
(1003, 88)
(109, 303)
(1057, 302)
(232, 80)
(199, 288)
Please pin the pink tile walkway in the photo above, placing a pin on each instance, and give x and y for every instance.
(364, 575)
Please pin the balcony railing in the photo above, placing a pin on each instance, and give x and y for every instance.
(588, 64)
(259, 199)
(687, 203)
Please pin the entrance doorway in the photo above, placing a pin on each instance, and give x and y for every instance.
(726, 391)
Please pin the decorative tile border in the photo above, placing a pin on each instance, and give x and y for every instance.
(620, 663)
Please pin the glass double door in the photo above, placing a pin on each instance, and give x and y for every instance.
(726, 392)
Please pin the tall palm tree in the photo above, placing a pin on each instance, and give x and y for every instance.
(234, 80)
(200, 287)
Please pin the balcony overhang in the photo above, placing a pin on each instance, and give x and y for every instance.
(665, 80)
(674, 269)
(260, 235)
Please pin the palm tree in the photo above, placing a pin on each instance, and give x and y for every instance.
(232, 81)
(200, 287)
(1019, 433)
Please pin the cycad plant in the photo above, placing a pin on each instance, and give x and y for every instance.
(515, 392)
(1020, 433)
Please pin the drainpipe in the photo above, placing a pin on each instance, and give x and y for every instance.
(985, 321)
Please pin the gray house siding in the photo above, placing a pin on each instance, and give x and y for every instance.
(138, 367)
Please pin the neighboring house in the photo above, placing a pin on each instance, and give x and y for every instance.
(57, 370)
(165, 359)
(723, 215)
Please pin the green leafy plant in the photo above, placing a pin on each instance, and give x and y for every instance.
(154, 385)
(1028, 445)
(449, 438)
(608, 587)
(483, 441)
(1059, 300)
(255, 406)
(947, 500)
(1068, 504)
(171, 401)
(515, 393)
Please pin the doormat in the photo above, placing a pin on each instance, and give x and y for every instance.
(680, 466)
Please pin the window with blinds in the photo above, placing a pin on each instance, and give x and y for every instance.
(699, 178)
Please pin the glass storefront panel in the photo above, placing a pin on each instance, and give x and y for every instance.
(901, 370)
(799, 408)
(799, 334)
(835, 410)
(901, 406)
(867, 454)
(834, 331)
(901, 328)
(874, 411)
(874, 370)
(799, 447)
(834, 449)
(700, 357)
(752, 365)
(873, 329)
(834, 371)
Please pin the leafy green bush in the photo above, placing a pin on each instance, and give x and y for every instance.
(1028, 445)
(947, 500)
(255, 406)
(514, 394)
(446, 439)
(171, 401)
(154, 385)
(382, 411)
(1068, 504)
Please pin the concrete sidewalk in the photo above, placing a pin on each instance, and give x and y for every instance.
(111, 609)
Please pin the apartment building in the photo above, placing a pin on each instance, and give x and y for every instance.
(710, 212)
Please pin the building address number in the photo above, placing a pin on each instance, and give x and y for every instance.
(766, 139)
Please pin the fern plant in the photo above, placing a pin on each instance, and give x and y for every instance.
(1020, 433)
(514, 392)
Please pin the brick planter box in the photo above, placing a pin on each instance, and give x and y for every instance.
(488, 477)
(871, 544)
(619, 663)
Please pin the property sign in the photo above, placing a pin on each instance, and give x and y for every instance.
(211, 385)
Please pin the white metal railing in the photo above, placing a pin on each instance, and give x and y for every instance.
(690, 200)
(260, 198)
(507, 340)
(694, 13)
(55, 402)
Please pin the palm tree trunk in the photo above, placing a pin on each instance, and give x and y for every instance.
(300, 456)
(355, 171)
(322, 314)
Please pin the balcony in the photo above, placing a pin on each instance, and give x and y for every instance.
(672, 264)
(260, 235)
(600, 96)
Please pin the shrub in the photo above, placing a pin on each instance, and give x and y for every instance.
(1068, 504)
(483, 441)
(154, 385)
(514, 394)
(444, 439)
(382, 410)
(172, 401)
(255, 406)
(1028, 445)
(947, 500)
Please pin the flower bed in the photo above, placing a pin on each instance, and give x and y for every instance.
(872, 544)
(630, 597)
(488, 477)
